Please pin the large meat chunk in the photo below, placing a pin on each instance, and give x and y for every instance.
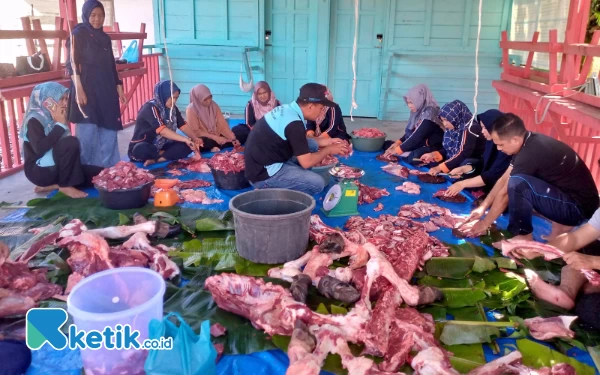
(549, 328)
(124, 175)
(198, 196)
(432, 361)
(228, 162)
(368, 194)
(421, 209)
(441, 195)
(410, 188)
(396, 170)
(328, 160)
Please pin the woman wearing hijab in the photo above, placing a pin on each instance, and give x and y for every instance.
(51, 153)
(423, 132)
(155, 137)
(95, 88)
(491, 168)
(207, 121)
(329, 124)
(462, 139)
(263, 101)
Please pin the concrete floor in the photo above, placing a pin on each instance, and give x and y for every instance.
(17, 189)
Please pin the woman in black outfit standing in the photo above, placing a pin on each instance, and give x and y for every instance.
(51, 153)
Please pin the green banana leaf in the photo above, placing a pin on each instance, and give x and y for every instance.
(548, 271)
(124, 219)
(505, 263)
(445, 283)
(462, 297)
(450, 267)
(538, 355)
(248, 268)
(172, 220)
(467, 250)
(483, 264)
(88, 210)
(457, 334)
(58, 269)
(495, 235)
(436, 311)
(25, 246)
(207, 220)
(219, 252)
(195, 305)
(466, 357)
(469, 313)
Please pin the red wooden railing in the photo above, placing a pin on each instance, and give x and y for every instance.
(138, 80)
(550, 102)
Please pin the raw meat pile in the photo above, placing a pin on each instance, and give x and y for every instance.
(441, 195)
(396, 170)
(409, 187)
(549, 328)
(429, 179)
(439, 216)
(192, 184)
(198, 196)
(124, 175)
(329, 160)
(368, 194)
(368, 133)
(193, 164)
(387, 158)
(227, 162)
(21, 287)
(348, 172)
(517, 249)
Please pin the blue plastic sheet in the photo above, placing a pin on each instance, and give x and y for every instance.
(275, 361)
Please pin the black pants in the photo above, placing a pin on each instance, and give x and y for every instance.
(172, 150)
(428, 137)
(15, 357)
(527, 193)
(241, 131)
(209, 144)
(67, 171)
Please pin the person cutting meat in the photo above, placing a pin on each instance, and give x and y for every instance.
(463, 140)
(278, 153)
(582, 252)
(155, 137)
(545, 175)
(489, 169)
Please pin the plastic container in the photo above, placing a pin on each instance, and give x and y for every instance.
(125, 199)
(119, 296)
(271, 225)
(324, 172)
(230, 181)
(368, 144)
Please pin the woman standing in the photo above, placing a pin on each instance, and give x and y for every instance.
(207, 121)
(329, 124)
(95, 88)
(51, 154)
(423, 134)
(155, 137)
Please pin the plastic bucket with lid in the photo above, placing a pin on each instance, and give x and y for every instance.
(120, 296)
(271, 225)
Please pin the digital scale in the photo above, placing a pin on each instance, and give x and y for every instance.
(342, 198)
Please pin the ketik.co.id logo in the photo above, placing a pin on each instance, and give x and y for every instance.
(44, 326)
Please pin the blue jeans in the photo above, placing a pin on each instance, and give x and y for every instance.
(294, 177)
(99, 146)
(527, 193)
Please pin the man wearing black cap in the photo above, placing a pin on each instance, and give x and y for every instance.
(281, 135)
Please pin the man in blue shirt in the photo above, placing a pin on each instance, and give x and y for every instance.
(277, 152)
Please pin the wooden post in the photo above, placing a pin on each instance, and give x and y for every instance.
(37, 25)
(505, 62)
(587, 65)
(534, 40)
(553, 59)
(117, 29)
(58, 24)
(29, 42)
(141, 43)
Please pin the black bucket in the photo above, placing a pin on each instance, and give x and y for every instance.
(272, 225)
(230, 181)
(125, 199)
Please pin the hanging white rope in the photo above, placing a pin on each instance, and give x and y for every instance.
(477, 63)
(354, 48)
(539, 121)
(164, 40)
(72, 59)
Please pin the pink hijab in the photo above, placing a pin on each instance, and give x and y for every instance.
(206, 114)
(323, 113)
(262, 108)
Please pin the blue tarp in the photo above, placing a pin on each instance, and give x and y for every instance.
(48, 360)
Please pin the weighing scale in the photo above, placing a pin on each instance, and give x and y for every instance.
(342, 198)
(166, 197)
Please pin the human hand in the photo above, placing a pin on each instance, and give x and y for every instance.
(427, 158)
(122, 97)
(391, 149)
(456, 172)
(199, 142)
(479, 228)
(338, 149)
(80, 95)
(454, 189)
(192, 145)
(477, 213)
(59, 114)
(236, 143)
(579, 261)
(435, 170)
(220, 140)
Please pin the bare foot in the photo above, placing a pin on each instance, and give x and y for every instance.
(161, 159)
(549, 293)
(72, 192)
(149, 162)
(557, 230)
(44, 189)
(523, 237)
(215, 149)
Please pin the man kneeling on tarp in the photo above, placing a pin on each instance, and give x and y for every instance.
(278, 153)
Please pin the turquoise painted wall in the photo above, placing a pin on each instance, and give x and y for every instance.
(434, 40)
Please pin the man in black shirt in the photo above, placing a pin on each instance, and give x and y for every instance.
(277, 152)
(545, 175)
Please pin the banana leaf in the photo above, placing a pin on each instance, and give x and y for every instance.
(248, 268)
(457, 334)
(88, 210)
(466, 357)
(469, 313)
(437, 312)
(506, 263)
(451, 267)
(195, 305)
(172, 220)
(444, 283)
(467, 250)
(495, 235)
(483, 264)
(207, 220)
(538, 355)
(58, 269)
(462, 297)
(548, 271)
(219, 252)
(123, 219)
(25, 246)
